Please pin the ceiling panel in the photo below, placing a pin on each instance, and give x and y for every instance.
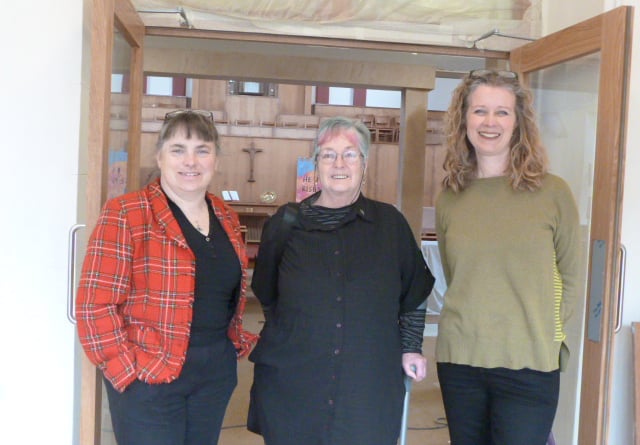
(458, 23)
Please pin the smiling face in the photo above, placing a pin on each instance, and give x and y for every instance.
(491, 120)
(186, 165)
(340, 175)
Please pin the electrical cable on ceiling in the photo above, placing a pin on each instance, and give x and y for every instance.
(496, 32)
(184, 20)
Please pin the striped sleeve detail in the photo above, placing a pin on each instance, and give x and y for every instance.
(412, 330)
(559, 334)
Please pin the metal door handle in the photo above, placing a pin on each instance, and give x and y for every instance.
(621, 276)
(71, 270)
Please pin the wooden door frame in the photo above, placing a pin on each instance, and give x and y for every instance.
(608, 34)
(105, 16)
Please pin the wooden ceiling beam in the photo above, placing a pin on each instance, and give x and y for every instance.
(326, 42)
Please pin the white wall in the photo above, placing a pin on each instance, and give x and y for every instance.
(622, 420)
(39, 123)
(557, 15)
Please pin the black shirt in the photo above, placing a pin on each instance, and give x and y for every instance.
(217, 279)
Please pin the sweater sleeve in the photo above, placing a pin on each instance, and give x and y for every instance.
(567, 247)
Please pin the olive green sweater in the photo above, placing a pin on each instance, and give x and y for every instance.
(511, 261)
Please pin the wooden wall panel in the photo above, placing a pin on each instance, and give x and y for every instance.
(252, 108)
(433, 173)
(209, 94)
(413, 125)
(274, 168)
(349, 111)
(434, 157)
(292, 99)
(148, 165)
(381, 181)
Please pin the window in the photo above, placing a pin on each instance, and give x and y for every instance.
(384, 98)
(160, 86)
(340, 96)
(117, 83)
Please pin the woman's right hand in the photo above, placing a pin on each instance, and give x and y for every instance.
(414, 365)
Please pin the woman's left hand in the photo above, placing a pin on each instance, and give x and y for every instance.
(414, 365)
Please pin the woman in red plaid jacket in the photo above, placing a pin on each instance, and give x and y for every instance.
(162, 293)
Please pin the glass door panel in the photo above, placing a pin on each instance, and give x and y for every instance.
(119, 116)
(580, 78)
(566, 100)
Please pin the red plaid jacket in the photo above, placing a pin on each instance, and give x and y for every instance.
(136, 291)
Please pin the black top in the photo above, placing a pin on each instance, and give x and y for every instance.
(411, 322)
(217, 279)
(328, 363)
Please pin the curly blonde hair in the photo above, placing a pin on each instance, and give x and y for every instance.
(528, 161)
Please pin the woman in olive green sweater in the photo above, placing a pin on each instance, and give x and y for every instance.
(508, 234)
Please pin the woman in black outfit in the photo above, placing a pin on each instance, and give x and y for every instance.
(340, 282)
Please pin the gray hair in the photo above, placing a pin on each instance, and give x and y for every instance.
(350, 128)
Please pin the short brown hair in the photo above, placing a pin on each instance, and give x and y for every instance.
(192, 122)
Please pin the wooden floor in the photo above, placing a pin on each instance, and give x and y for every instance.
(426, 417)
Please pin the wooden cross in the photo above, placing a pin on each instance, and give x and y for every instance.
(252, 156)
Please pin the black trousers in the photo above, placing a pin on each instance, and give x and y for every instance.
(498, 406)
(187, 411)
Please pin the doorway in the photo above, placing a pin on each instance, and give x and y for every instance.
(604, 209)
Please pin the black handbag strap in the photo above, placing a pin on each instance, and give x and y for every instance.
(289, 219)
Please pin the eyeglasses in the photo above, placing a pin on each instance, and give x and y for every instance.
(480, 74)
(329, 157)
(204, 113)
